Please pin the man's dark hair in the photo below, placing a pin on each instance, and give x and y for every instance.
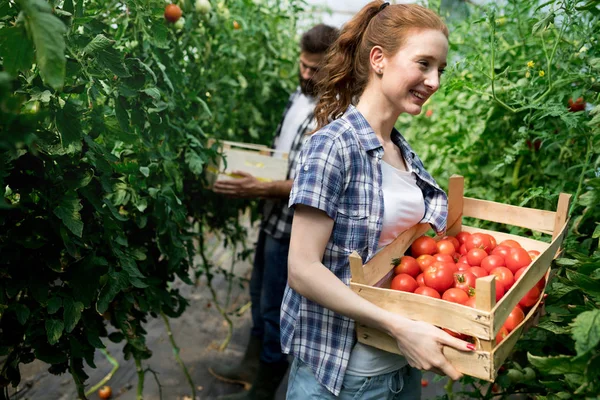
(318, 39)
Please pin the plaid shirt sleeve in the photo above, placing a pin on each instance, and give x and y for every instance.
(319, 180)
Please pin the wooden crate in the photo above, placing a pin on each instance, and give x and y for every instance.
(372, 282)
(262, 162)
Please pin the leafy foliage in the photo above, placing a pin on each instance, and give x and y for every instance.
(104, 114)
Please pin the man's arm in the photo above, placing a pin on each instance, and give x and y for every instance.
(249, 187)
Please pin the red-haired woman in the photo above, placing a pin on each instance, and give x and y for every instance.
(359, 184)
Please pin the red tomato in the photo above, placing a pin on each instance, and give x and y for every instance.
(404, 283)
(439, 277)
(443, 257)
(493, 243)
(517, 258)
(513, 320)
(456, 257)
(501, 335)
(462, 267)
(510, 243)
(445, 247)
(501, 250)
(470, 302)
(427, 291)
(425, 261)
(408, 265)
(464, 281)
(478, 241)
(454, 241)
(461, 236)
(533, 254)
(500, 291)
(105, 392)
(475, 256)
(576, 105)
(505, 276)
(172, 12)
(492, 261)
(462, 250)
(530, 298)
(423, 245)
(463, 260)
(478, 272)
(541, 283)
(425, 382)
(420, 280)
(455, 295)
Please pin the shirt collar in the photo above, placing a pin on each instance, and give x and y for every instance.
(367, 137)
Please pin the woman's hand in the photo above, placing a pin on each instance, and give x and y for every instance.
(421, 344)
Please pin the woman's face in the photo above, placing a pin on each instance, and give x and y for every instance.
(413, 74)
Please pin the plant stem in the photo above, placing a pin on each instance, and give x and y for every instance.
(80, 388)
(157, 381)
(177, 357)
(213, 293)
(588, 159)
(140, 374)
(108, 377)
(448, 389)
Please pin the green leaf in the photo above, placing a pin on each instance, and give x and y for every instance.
(557, 365)
(69, 125)
(194, 161)
(54, 330)
(110, 59)
(54, 304)
(585, 283)
(22, 312)
(98, 43)
(72, 314)
(152, 92)
(116, 282)
(596, 233)
(48, 33)
(586, 331)
(159, 36)
(14, 41)
(68, 212)
(68, 6)
(121, 113)
(552, 327)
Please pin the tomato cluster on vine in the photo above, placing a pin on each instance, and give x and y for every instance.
(448, 268)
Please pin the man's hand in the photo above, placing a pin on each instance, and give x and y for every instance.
(245, 187)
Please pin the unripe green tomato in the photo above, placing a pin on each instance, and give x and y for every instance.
(203, 6)
(515, 376)
(180, 23)
(528, 374)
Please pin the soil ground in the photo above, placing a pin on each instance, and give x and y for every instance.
(198, 333)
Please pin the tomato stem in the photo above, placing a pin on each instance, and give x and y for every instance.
(108, 376)
(176, 353)
(140, 374)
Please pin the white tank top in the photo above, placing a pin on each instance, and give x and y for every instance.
(404, 207)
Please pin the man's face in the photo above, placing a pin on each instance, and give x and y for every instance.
(308, 72)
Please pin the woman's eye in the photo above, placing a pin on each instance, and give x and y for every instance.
(424, 63)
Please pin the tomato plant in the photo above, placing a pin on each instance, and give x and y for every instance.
(105, 113)
(172, 12)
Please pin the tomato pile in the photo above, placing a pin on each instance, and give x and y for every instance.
(448, 268)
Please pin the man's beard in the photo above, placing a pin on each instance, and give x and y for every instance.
(308, 87)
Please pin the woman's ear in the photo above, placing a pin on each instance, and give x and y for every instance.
(377, 60)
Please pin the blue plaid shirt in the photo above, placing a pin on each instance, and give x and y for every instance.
(339, 172)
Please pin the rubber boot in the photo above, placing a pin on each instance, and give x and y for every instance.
(244, 372)
(264, 387)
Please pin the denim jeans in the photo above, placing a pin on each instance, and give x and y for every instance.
(267, 284)
(404, 384)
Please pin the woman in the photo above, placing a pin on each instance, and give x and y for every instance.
(359, 184)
